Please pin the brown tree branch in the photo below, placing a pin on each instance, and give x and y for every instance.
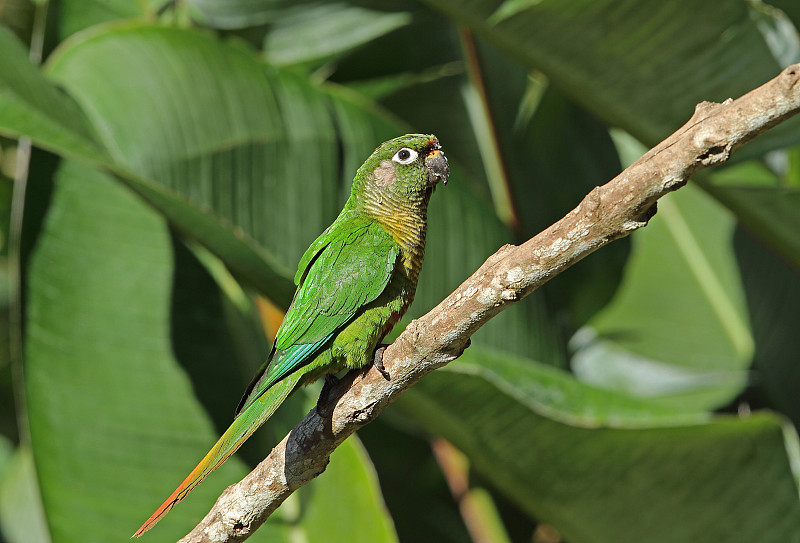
(609, 212)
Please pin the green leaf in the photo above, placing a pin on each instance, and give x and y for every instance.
(320, 31)
(773, 299)
(230, 157)
(252, 263)
(32, 106)
(22, 518)
(779, 33)
(413, 485)
(101, 373)
(29, 104)
(790, 8)
(765, 205)
(773, 214)
(557, 395)
(641, 66)
(728, 479)
(6, 452)
(347, 504)
(77, 15)
(231, 14)
(677, 330)
(17, 16)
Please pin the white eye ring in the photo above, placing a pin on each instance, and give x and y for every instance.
(405, 156)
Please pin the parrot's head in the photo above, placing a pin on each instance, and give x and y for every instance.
(401, 172)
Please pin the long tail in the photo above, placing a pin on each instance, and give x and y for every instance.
(237, 433)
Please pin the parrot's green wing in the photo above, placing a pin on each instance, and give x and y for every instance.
(347, 267)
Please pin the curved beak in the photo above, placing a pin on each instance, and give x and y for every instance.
(438, 169)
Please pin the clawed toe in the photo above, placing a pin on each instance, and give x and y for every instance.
(377, 361)
(327, 387)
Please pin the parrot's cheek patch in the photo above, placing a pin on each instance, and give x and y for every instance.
(385, 174)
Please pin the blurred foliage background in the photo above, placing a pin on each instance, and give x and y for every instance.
(164, 164)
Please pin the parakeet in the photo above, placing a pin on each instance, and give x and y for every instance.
(353, 285)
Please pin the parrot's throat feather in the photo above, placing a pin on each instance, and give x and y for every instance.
(405, 218)
(409, 232)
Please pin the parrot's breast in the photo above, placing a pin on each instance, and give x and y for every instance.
(409, 234)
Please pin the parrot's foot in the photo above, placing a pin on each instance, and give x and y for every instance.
(378, 361)
(324, 395)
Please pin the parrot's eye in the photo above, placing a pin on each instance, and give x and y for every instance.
(405, 156)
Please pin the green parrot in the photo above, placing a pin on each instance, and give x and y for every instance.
(353, 285)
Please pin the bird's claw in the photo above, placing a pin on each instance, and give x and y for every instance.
(377, 361)
(325, 394)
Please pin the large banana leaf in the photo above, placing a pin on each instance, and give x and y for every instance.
(224, 133)
(643, 65)
(601, 466)
(678, 326)
(54, 122)
(32, 106)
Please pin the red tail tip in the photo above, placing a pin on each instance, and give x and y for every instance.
(155, 517)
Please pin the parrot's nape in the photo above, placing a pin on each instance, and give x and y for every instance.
(353, 285)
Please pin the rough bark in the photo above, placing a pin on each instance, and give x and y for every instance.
(609, 212)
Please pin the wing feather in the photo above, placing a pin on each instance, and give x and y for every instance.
(346, 268)
(348, 273)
